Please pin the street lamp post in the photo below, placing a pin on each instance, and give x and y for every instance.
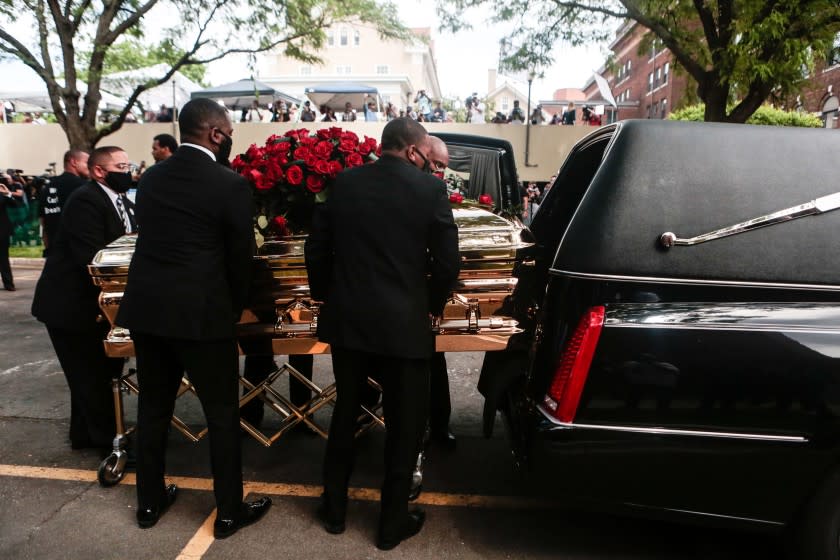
(528, 122)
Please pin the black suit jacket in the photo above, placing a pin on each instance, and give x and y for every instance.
(382, 255)
(6, 223)
(65, 296)
(191, 268)
(52, 198)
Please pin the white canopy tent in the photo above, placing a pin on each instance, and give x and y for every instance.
(175, 92)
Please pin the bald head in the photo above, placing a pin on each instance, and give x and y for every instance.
(438, 155)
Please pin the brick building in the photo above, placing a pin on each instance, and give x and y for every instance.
(644, 85)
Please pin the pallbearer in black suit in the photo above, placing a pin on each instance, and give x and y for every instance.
(382, 256)
(65, 299)
(186, 288)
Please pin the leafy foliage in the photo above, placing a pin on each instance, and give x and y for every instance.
(765, 115)
(79, 39)
(738, 52)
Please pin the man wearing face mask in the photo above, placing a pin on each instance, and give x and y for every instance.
(65, 299)
(387, 235)
(186, 288)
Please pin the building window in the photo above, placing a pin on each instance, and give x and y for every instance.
(343, 69)
(833, 57)
(331, 38)
(650, 82)
(382, 69)
(658, 80)
(356, 38)
(344, 37)
(306, 70)
(505, 104)
(663, 108)
(665, 72)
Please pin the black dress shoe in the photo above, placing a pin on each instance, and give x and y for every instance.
(147, 517)
(251, 513)
(10, 288)
(444, 439)
(331, 526)
(414, 522)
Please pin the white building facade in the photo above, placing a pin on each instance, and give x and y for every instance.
(356, 53)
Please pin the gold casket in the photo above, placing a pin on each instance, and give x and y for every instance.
(281, 306)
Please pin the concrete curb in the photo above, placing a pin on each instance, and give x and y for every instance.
(27, 262)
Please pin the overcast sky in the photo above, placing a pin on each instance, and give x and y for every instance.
(463, 59)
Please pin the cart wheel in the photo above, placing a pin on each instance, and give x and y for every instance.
(111, 470)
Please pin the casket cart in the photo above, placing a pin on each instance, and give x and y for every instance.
(281, 312)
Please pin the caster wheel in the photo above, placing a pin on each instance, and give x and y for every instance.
(111, 470)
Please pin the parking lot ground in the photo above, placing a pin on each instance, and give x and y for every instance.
(53, 508)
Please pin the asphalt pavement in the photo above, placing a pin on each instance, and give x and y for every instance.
(476, 502)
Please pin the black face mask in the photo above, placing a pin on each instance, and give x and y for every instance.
(427, 168)
(225, 147)
(118, 181)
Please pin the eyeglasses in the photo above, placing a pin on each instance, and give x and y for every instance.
(123, 167)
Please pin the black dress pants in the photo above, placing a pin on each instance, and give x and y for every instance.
(89, 372)
(405, 391)
(5, 266)
(213, 368)
(440, 405)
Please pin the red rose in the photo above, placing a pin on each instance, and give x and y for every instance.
(354, 160)
(311, 160)
(335, 132)
(315, 183)
(301, 152)
(293, 134)
(279, 148)
(238, 164)
(371, 142)
(323, 167)
(335, 168)
(348, 135)
(273, 170)
(254, 153)
(323, 134)
(281, 225)
(364, 149)
(347, 146)
(456, 198)
(294, 175)
(308, 140)
(323, 149)
(253, 175)
(485, 199)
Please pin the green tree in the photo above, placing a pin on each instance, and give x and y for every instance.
(80, 36)
(765, 115)
(131, 54)
(738, 52)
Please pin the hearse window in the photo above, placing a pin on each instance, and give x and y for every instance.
(477, 169)
(562, 200)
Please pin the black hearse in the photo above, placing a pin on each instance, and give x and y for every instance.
(681, 307)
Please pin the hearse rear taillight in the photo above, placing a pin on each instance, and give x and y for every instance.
(566, 387)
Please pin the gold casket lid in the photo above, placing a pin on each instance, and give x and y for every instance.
(478, 231)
